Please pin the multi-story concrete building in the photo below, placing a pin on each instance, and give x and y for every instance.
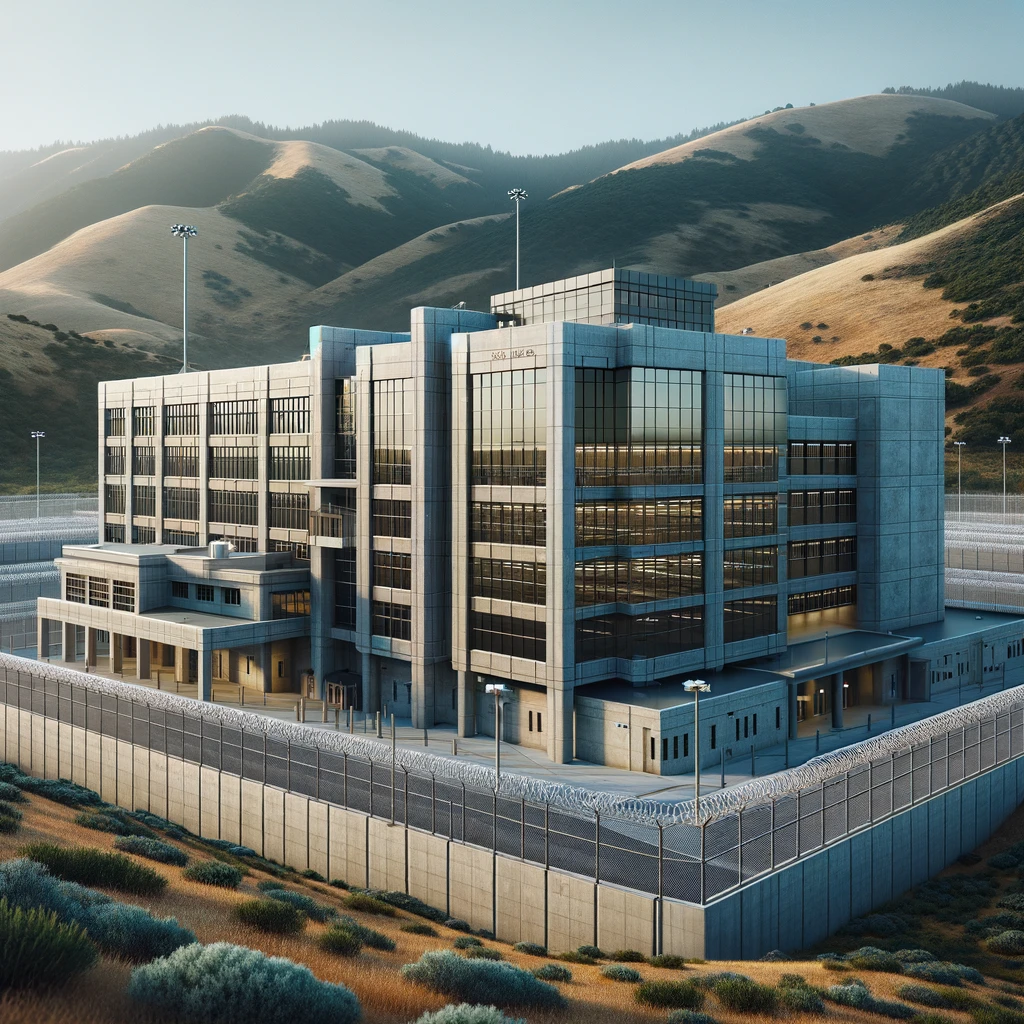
(585, 493)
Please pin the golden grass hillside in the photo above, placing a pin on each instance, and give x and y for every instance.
(98, 997)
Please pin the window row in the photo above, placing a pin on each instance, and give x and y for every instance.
(144, 421)
(508, 524)
(238, 507)
(392, 569)
(751, 463)
(144, 460)
(392, 620)
(669, 521)
(755, 410)
(808, 508)
(654, 635)
(345, 429)
(749, 618)
(237, 417)
(289, 511)
(180, 589)
(509, 427)
(633, 465)
(289, 604)
(113, 460)
(510, 467)
(100, 592)
(508, 580)
(822, 458)
(181, 420)
(822, 600)
(289, 415)
(344, 588)
(751, 567)
(181, 503)
(298, 549)
(393, 429)
(114, 533)
(505, 634)
(143, 500)
(234, 463)
(181, 461)
(637, 580)
(391, 518)
(751, 515)
(113, 498)
(821, 557)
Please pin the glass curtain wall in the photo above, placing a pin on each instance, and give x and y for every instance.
(393, 425)
(510, 427)
(755, 427)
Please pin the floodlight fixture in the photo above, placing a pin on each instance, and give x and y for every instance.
(517, 195)
(696, 687)
(38, 435)
(959, 445)
(1004, 441)
(497, 689)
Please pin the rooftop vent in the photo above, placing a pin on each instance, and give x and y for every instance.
(219, 549)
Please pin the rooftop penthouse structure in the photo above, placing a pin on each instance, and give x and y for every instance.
(585, 494)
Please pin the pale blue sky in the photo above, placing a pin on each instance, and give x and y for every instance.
(529, 76)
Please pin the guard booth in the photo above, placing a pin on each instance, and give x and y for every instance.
(343, 690)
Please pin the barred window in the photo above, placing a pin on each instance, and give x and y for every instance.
(501, 523)
(822, 458)
(181, 503)
(749, 618)
(652, 635)
(508, 580)
(392, 569)
(144, 461)
(143, 534)
(822, 557)
(113, 533)
(113, 422)
(809, 508)
(638, 580)
(289, 463)
(392, 620)
(392, 518)
(143, 500)
(233, 417)
(345, 429)
(751, 567)
(238, 507)
(668, 521)
(299, 549)
(181, 421)
(99, 592)
(204, 592)
(345, 588)
(392, 431)
(74, 588)
(232, 595)
(124, 596)
(181, 538)
(144, 421)
(113, 498)
(505, 634)
(179, 588)
(113, 460)
(234, 463)
(289, 511)
(248, 544)
(822, 600)
(289, 604)
(180, 461)
(289, 415)
(751, 515)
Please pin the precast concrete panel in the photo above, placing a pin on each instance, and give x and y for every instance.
(791, 910)
(982, 806)
(209, 804)
(953, 839)
(251, 797)
(273, 824)
(570, 912)
(754, 909)
(348, 846)
(140, 778)
(428, 869)
(472, 897)
(918, 844)
(881, 863)
(723, 927)
(108, 769)
(318, 837)
(230, 808)
(175, 790)
(625, 920)
(816, 883)
(37, 725)
(838, 894)
(159, 782)
(79, 756)
(296, 831)
(93, 763)
(125, 774)
(387, 855)
(682, 930)
(860, 874)
(191, 796)
(520, 910)
(25, 741)
(66, 738)
(52, 740)
(902, 868)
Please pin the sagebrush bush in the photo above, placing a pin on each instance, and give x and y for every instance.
(852, 993)
(924, 996)
(1012, 901)
(552, 972)
(466, 1013)
(531, 948)
(574, 957)
(269, 884)
(314, 911)
(102, 821)
(1008, 943)
(801, 999)
(628, 956)
(227, 984)
(152, 849)
(673, 995)
(870, 958)
(120, 929)
(314, 876)
(484, 953)
(457, 924)
(271, 916)
(914, 956)
(213, 872)
(10, 810)
(8, 825)
(410, 904)
(87, 866)
(418, 928)
(37, 950)
(592, 951)
(11, 793)
(690, 1017)
(341, 939)
(746, 996)
(465, 941)
(61, 791)
(368, 937)
(667, 960)
(943, 973)
(479, 981)
(368, 904)
(620, 972)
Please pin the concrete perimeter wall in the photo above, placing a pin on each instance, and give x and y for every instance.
(795, 907)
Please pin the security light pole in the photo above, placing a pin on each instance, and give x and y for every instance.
(38, 435)
(517, 195)
(497, 689)
(184, 232)
(696, 687)
(959, 494)
(1004, 441)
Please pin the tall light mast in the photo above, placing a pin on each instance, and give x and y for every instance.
(184, 232)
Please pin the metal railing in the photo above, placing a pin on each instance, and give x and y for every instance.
(747, 831)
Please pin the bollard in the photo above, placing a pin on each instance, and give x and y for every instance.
(298, 710)
(787, 753)
(241, 696)
(817, 740)
(426, 741)
(380, 730)
(455, 747)
(337, 717)
(351, 720)
(869, 721)
(753, 771)
(723, 767)
(325, 710)
(893, 718)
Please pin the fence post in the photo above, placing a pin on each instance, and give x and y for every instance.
(344, 779)
(739, 845)
(433, 803)
(597, 846)
(771, 838)
(494, 821)
(659, 930)
(547, 840)
(463, 812)
(702, 826)
(405, 796)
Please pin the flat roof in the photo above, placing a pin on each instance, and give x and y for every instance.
(962, 622)
(846, 649)
(669, 693)
(188, 616)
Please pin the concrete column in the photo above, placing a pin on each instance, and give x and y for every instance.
(142, 658)
(467, 704)
(792, 709)
(90, 646)
(265, 659)
(68, 641)
(558, 724)
(42, 638)
(371, 682)
(837, 700)
(116, 653)
(181, 664)
(204, 691)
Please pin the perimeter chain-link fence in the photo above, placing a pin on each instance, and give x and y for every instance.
(766, 828)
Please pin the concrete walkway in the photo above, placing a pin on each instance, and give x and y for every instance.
(526, 761)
